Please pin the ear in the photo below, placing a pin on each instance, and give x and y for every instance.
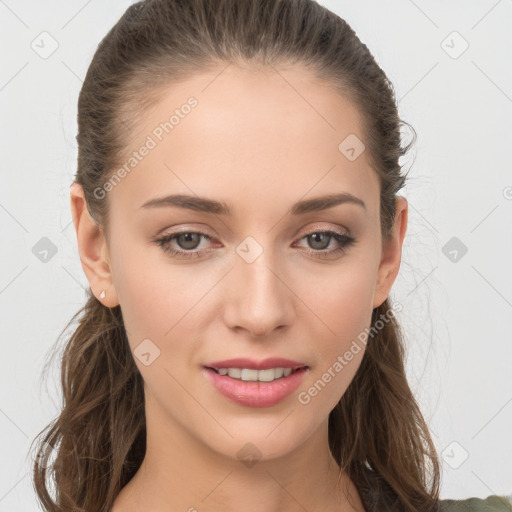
(391, 253)
(93, 249)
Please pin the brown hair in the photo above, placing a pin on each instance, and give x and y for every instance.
(376, 431)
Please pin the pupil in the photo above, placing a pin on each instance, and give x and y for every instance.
(317, 238)
(189, 237)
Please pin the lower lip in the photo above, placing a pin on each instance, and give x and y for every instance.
(256, 394)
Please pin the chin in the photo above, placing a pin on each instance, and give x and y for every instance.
(262, 439)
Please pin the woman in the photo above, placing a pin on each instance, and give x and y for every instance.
(238, 221)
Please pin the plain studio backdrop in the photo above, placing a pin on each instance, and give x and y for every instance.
(449, 63)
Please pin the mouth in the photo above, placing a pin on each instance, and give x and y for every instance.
(256, 387)
(254, 375)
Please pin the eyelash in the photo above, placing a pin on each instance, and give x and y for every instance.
(341, 238)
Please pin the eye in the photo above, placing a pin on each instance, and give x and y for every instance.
(189, 241)
(320, 240)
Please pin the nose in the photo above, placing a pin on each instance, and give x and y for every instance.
(261, 298)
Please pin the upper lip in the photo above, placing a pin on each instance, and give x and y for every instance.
(265, 364)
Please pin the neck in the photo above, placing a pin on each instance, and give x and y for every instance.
(179, 472)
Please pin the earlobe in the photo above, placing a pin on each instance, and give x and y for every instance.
(391, 253)
(93, 249)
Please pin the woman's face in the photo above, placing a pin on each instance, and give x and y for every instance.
(254, 282)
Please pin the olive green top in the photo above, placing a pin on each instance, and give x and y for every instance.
(490, 504)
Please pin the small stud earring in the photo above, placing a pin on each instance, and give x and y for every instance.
(102, 294)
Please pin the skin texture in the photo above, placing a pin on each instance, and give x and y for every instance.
(260, 140)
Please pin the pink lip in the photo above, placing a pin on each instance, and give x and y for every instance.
(265, 364)
(255, 394)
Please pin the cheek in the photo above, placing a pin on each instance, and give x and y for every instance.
(160, 302)
(341, 301)
(145, 290)
(342, 308)
(155, 317)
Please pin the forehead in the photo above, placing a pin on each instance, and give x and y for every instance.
(269, 135)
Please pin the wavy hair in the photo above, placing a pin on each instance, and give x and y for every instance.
(377, 433)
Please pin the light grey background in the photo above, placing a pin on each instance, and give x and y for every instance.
(457, 314)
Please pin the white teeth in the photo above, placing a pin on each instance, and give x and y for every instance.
(249, 374)
(278, 372)
(236, 373)
(267, 375)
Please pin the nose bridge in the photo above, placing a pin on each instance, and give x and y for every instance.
(261, 301)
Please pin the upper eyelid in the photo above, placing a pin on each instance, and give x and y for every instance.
(315, 228)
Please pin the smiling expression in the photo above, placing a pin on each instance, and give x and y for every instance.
(214, 254)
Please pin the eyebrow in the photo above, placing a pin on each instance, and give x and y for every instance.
(203, 204)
